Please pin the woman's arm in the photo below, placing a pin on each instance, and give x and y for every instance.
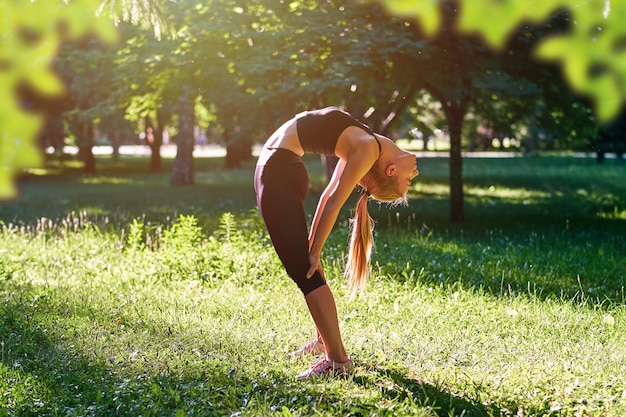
(348, 173)
(332, 184)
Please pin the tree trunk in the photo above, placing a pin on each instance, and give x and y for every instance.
(182, 173)
(116, 141)
(90, 160)
(85, 144)
(455, 115)
(236, 153)
(156, 140)
(155, 157)
(455, 100)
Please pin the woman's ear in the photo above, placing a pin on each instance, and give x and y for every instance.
(390, 170)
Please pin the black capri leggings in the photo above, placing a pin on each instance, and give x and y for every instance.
(281, 186)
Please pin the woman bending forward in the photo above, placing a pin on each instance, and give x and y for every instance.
(281, 182)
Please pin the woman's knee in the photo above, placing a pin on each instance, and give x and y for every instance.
(308, 285)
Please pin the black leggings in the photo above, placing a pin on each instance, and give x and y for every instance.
(281, 186)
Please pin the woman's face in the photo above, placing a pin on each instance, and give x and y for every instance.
(404, 169)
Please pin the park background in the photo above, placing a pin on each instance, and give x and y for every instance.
(137, 277)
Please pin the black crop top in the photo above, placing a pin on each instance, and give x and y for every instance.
(319, 130)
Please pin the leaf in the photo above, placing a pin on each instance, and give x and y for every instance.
(28, 60)
(494, 20)
(426, 11)
(34, 66)
(574, 65)
(593, 62)
(18, 150)
(605, 91)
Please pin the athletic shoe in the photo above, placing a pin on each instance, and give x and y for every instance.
(312, 347)
(323, 367)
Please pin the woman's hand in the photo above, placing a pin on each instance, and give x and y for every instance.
(316, 265)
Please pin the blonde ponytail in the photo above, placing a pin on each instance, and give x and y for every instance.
(381, 188)
(360, 247)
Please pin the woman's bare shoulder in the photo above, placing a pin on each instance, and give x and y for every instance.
(354, 140)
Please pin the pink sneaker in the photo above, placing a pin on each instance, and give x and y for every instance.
(312, 347)
(323, 367)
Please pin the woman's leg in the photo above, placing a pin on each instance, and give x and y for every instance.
(322, 307)
(282, 185)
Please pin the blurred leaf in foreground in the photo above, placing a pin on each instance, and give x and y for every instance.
(30, 33)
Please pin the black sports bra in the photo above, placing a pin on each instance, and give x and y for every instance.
(319, 130)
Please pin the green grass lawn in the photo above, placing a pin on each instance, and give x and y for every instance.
(123, 296)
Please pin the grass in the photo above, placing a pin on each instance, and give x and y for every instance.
(123, 296)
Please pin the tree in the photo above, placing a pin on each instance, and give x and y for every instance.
(85, 65)
(182, 173)
(343, 56)
(158, 78)
(450, 68)
(459, 60)
(612, 138)
(143, 85)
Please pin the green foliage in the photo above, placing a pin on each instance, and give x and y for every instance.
(30, 35)
(590, 51)
(597, 66)
(136, 238)
(145, 14)
(184, 235)
(185, 252)
(227, 230)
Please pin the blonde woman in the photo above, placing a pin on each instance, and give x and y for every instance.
(367, 159)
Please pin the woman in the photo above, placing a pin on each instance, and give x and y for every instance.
(281, 182)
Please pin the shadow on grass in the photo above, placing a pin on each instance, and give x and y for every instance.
(42, 376)
(396, 387)
(121, 198)
(38, 378)
(507, 250)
